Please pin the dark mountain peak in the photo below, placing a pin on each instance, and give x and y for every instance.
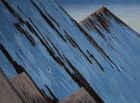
(99, 19)
(100, 13)
(103, 9)
(102, 18)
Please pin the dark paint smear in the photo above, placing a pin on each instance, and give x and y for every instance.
(101, 67)
(52, 95)
(21, 22)
(19, 69)
(75, 45)
(13, 12)
(48, 21)
(27, 35)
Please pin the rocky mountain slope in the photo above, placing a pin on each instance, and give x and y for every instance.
(122, 46)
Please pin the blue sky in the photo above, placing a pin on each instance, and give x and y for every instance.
(127, 10)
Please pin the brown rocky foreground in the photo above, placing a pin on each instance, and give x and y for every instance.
(27, 90)
(21, 89)
(82, 96)
(7, 92)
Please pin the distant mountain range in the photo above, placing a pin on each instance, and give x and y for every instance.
(100, 54)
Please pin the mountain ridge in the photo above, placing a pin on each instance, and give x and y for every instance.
(106, 11)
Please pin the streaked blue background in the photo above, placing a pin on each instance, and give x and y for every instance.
(127, 10)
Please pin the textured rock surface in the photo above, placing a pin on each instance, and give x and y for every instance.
(27, 90)
(7, 93)
(82, 96)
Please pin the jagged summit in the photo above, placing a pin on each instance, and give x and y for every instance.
(100, 10)
(103, 15)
